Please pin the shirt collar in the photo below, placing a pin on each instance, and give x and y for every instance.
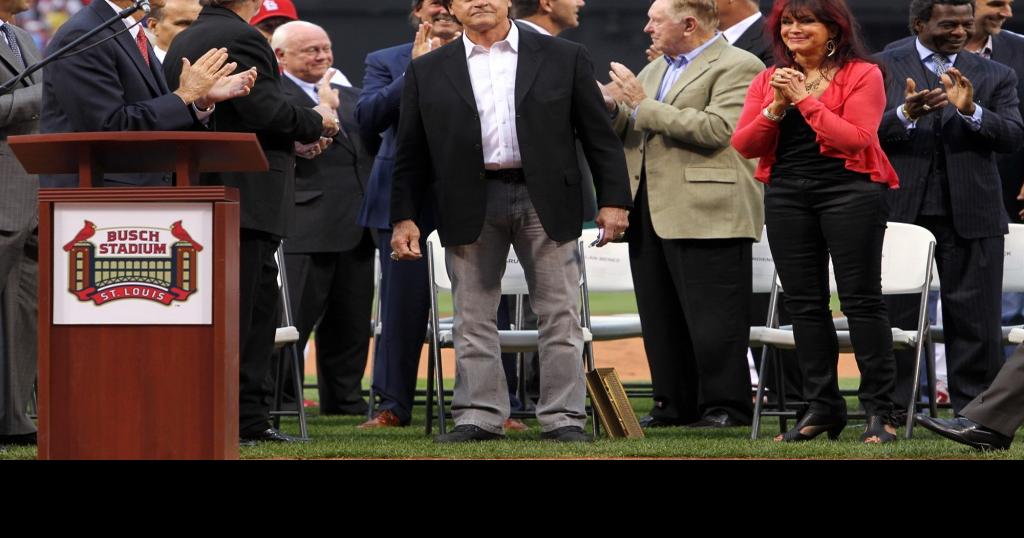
(685, 59)
(129, 22)
(307, 87)
(925, 52)
(986, 49)
(535, 26)
(512, 39)
(734, 32)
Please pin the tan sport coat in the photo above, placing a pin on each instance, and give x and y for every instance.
(699, 187)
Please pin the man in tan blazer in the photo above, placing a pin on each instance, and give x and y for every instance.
(697, 212)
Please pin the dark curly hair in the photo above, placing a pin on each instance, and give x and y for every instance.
(835, 15)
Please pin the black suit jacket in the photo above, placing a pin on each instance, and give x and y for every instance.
(107, 88)
(329, 189)
(267, 197)
(1007, 49)
(440, 150)
(975, 191)
(756, 42)
(587, 181)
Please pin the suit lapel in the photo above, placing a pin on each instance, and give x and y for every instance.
(458, 72)
(652, 82)
(103, 12)
(530, 58)
(7, 55)
(697, 67)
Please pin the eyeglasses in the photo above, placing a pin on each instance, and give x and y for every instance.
(313, 51)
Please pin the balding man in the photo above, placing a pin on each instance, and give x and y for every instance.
(167, 21)
(328, 254)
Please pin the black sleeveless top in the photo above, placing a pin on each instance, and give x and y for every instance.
(798, 154)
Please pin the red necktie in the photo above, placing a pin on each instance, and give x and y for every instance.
(143, 43)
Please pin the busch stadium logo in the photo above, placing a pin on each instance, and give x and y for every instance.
(155, 264)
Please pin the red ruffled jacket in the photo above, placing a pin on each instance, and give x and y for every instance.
(845, 119)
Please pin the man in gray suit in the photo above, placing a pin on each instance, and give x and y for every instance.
(19, 114)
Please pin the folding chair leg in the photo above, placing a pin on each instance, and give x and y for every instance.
(430, 395)
(780, 373)
(933, 409)
(755, 428)
(298, 379)
(278, 390)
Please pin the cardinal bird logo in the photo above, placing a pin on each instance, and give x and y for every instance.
(178, 231)
(87, 231)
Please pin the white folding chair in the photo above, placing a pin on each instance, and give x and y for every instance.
(907, 262)
(286, 343)
(441, 335)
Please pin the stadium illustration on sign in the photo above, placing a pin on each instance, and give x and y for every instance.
(144, 263)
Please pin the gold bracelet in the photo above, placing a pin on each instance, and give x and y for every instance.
(773, 117)
(907, 114)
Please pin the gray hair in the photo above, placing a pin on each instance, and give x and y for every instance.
(283, 34)
(705, 11)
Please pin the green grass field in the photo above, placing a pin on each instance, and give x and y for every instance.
(338, 437)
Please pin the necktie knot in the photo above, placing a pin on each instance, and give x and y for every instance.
(941, 63)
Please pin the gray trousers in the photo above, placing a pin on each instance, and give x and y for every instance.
(19, 276)
(552, 275)
(1001, 406)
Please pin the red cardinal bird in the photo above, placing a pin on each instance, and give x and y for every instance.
(177, 230)
(85, 233)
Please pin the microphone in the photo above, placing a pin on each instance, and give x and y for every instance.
(143, 5)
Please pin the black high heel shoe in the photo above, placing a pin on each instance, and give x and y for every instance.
(815, 424)
(875, 428)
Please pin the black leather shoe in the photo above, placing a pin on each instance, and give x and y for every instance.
(24, 439)
(653, 422)
(966, 431)
(717, 419)
(269, 435)
(467, 433)
(567, 434)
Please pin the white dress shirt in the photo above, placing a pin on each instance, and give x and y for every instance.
(307, 87)
(736, 31)
(493, 76)
(160, 53)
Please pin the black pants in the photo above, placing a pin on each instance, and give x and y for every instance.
(971, 272)
(333, 291)
(693, 297)
(809, 219)
(258, 301)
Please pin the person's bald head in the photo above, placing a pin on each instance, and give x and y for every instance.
(303, 50)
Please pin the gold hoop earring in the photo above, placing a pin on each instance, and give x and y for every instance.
(830, 48)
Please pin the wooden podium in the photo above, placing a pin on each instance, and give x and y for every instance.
(138, 296)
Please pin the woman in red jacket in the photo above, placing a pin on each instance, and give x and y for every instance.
(813, 122)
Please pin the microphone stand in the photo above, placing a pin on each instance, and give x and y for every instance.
(58, 54)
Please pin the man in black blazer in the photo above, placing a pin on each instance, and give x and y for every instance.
(487, 129)
(942, 133)
(742, 24)
(328, 254)
(114, 86)
(267, 198)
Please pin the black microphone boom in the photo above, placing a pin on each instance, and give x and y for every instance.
(58, 54)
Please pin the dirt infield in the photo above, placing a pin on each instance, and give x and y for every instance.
(626, 356)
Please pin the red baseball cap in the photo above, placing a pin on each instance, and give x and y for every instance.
(275, 8)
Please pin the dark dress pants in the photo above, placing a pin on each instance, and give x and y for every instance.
(259, 303)
(333, 292)
(971, 275)
(693, 297)
(807, 220)
(404, 314)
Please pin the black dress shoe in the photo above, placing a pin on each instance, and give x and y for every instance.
(269, 435)
(653, 422)
(467, 433)
(24, 439)
(717, 419)
(567, 434)
(966, 431)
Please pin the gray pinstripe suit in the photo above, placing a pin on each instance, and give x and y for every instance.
(970, 229)
(19, 114)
